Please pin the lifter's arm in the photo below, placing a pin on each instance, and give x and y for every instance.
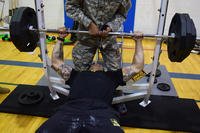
(57, 58)
(138, 58)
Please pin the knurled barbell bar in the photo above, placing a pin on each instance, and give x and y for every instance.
(180, 39)
(87, 32)
(110, 33)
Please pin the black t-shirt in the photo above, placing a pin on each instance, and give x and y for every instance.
(98, 85)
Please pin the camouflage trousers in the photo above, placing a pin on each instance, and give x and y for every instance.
(83, 56)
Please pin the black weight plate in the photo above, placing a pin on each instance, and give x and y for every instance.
(170, 47)
(163, 86)
(186, 48)
(193, 36)
(190, 40)
(183, 47)
(23, 39)
(178, 27)
(183, 39)
(31, 97)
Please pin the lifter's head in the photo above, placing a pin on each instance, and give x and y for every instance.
(96, 67)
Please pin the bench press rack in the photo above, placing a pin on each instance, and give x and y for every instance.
(58, 85)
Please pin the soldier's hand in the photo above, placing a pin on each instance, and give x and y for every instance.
(62, 32)
(137, 35)
(93, 29)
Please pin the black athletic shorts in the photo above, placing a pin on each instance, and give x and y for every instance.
(83, 116)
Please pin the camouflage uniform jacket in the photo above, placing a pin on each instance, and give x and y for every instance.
(101, 12)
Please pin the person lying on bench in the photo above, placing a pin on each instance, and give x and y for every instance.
(89, 108)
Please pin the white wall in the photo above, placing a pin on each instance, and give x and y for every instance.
(54, 11)
(147, 15)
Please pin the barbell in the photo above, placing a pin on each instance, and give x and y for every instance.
(181, 37)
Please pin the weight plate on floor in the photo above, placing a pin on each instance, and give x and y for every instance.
(30, 97)
(163, 86)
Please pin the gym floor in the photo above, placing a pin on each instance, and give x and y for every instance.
(14, 70)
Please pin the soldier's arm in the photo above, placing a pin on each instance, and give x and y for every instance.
(120, 15)
(58, 65)
(138, 59)
(74, 11)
